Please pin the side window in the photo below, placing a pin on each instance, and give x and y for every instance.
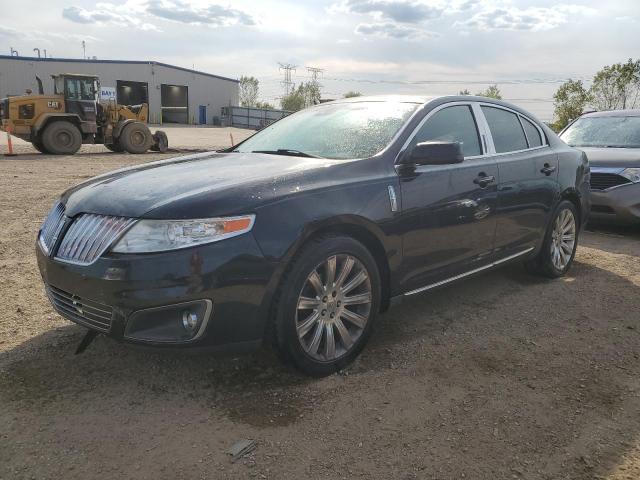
(452, 124)
(506, 130)
(533, 134)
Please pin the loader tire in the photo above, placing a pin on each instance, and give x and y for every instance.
(135, 138)
(160, 142)
(61, 138)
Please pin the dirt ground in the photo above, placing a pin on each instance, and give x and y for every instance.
(502, 376)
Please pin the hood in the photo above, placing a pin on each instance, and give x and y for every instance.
(196, 186)
(612, 157)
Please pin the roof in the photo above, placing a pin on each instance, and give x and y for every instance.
(613, 113)
(122, 62)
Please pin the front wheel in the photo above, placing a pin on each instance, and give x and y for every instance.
(327, 305)
(135, 138)
(560, 243)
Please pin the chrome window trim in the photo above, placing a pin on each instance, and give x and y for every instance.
(470, 272)
(486, 139)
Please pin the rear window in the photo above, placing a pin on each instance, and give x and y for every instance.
(533, 134)
(506, 130)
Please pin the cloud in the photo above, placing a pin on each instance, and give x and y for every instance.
(184, 12)
(134, 12)
(527, 19)
(107, 14)
(401, 11)
(393, 30)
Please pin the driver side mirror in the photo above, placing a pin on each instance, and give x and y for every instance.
(436, 153)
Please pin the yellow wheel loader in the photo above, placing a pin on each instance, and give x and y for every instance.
(60, 123)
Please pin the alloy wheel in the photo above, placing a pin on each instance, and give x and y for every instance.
(563, 239)
(334, 307)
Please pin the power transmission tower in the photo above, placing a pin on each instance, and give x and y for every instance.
(315, 72)
(287, 83)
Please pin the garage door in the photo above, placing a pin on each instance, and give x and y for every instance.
(132, 93)
(175, 103)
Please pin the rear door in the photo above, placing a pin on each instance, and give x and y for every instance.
(448, 211)
(528, 187)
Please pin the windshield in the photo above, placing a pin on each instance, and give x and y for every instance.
(620, 132)
(333, 130)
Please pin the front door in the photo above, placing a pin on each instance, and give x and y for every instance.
(203, 115)
(448, 211)
(80, 97)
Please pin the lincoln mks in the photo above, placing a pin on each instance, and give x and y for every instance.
(300, 235)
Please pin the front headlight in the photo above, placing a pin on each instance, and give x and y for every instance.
(632, 174)
(162, 235)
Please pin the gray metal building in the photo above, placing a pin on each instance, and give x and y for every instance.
(174, 94)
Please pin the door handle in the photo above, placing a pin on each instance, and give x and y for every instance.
(547, 169)
(483, 180)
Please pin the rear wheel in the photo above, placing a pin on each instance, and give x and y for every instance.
(135, 138)
(61, 138)
(560, 243)
(327, 305)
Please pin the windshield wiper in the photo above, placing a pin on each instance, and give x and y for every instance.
(286, 151)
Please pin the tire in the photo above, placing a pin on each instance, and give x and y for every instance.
(37, 144)
(160, 142)
(61, 138)
(135, 138)
(558, 250)
(309, 314)
(114, 147)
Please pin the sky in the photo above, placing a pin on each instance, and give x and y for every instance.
(425, 47)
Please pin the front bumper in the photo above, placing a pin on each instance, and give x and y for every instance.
(232, 275)
(619, 204)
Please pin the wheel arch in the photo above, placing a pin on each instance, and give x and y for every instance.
(573, 195)
(46, 119)
(354, 226)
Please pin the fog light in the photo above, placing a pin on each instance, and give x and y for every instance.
(177, 323)
(189, 320)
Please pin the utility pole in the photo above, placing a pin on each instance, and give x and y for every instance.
(287, 83)
(84, 50)
(45, 52)
(37, 50)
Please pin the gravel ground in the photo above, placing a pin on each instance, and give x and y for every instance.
(502, 376)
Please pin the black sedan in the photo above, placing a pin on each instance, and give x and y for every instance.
(301, 234)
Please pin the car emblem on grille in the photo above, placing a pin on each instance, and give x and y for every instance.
(77, 305)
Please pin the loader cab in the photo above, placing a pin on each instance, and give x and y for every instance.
(80, 94)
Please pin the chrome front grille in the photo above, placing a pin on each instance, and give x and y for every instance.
(52, 227)
(602, 180)
(89, 236)
(80, 310)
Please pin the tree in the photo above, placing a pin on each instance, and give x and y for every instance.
(352, 94)
(464, 92)
(265, 106)
(569, 102)
(249, 87)
(491, 92)
(617, 86)
(305, 95)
